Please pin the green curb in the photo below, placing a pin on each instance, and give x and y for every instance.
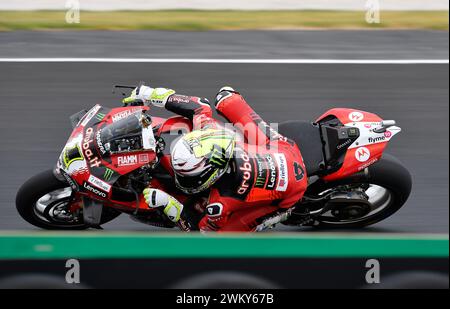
(115, 246)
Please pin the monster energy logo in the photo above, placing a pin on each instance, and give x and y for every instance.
(261, 173)
(100, 116)
(218, 157)
(260, 182)
(108, 174)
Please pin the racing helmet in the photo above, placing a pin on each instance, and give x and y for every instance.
(200, 158)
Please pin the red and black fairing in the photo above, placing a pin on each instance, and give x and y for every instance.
(351, 141)
(105, 145)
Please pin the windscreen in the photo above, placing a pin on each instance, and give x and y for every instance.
(121, 136)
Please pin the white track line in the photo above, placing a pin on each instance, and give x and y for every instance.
(231, 61)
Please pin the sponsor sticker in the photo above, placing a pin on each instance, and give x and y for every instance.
(362, 154)
(272, 179)
(344, 144)
(94, 190)
(367, 164)
(356, 116)
(91, 158)
(124, 114)
(99, 183)
(388, 134)
(69, 180)
(143, 158)
(176, 98)
(377, 139)
(90, 114)
(98, 138)
(282, 172)
(127, 160)
(100, 116)
(261, 173)
(108, 174)
(246, 170)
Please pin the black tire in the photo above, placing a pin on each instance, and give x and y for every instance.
(37, 281)
(390, 174)
(36, 187)
(225, 280)
(413, 280)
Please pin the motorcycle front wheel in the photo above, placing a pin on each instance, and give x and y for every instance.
(44, 201)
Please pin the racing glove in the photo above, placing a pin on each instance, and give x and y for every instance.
(156, 198)
(156, 96)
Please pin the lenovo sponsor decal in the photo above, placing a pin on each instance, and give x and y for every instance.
(94, 190)
(282, 172)
(272, 173)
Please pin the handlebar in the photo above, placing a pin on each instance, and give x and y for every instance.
(134, 103)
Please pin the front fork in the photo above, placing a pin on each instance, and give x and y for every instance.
(92, 212)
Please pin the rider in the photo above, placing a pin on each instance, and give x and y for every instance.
(254, 180)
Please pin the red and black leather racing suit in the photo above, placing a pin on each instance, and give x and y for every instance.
(267, 174)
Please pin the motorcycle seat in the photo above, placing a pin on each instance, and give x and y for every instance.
(308, 139)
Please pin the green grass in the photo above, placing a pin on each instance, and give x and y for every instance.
(189, 20)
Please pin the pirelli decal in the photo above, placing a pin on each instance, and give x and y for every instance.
(282, 183)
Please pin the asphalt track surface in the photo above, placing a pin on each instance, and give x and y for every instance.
(37, 99)
(392, 44)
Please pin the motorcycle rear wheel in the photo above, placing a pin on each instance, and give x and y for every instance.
(388, 186)
(45, 186)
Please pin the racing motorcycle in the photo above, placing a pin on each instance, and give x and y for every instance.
(113, 154)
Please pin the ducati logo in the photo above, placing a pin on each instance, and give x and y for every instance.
(356, 116)
(362, 154)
